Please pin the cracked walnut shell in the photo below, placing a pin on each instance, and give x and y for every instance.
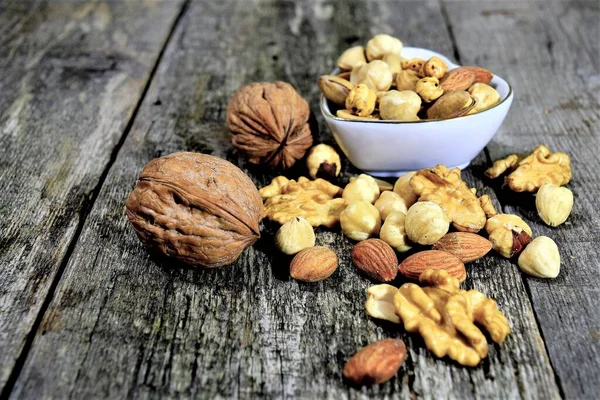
(446, 188)
(269, 123)
(196, 208)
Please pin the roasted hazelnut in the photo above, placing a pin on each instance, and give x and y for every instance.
(426, 222)
(393, 232)
(323, 162)
(401, 106)
(381, 45)
(362, 188)
(360, 220)
(415, 65)
(429, 89)
(352, 57)
(540, 258)
(435, 67)
(389, 202)
(295, 235)
(394, 61)
(407, 80)
(554, 204)
(403, 188)
(361, 100)
(196, 208)
(376, 75)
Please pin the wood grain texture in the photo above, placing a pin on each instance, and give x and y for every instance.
(71, 74)
(124, 324)
(556, 78)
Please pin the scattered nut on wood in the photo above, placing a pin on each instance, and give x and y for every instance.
(450, 306)
(376, 363)
(196, 208)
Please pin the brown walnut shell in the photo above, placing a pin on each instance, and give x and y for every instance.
(269, 123)
(196, 208)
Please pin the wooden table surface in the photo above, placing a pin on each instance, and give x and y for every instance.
(90, 91)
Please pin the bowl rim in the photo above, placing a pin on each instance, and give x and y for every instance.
(326, 111)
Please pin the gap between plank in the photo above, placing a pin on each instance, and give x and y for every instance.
(85, 211)
(489, 160)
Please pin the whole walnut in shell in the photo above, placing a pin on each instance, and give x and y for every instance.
(269, 123)
(196, 208)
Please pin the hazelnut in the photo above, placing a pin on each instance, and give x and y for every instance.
(376, 75)
(352, 57)
(540, 258)
(393, 232)
(389, 202)
(295, 235)
(415, 65)
(362, 188)
(323, 162)
(360, 220)
(554, 204)
(401, 106)
(361, 100)
(487, 96)
(403, 188)
(435, 67)
(429, 89)
(426, 222)
(381, 45)
(394, 61)
(407, 80)
(383, 185)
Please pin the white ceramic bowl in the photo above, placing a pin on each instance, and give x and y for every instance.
(392, 148)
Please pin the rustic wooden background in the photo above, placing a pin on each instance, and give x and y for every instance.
(90, 91)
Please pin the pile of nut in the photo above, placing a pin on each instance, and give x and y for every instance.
(204, 211)
(419, 210)
(378, 83)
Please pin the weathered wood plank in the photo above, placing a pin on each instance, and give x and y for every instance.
(555, 78)
(123, 324)
(71, 74)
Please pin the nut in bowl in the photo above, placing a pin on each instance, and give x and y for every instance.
(392, 147)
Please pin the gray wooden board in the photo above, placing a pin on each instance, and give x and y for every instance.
(556, 77)
(125, 324)
(71, 74)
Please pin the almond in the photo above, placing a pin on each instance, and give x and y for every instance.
(413, 266)
(376, 258)
(464, 245)
(376, 363)
(313, 264)
(460, 78)
(482, 75)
